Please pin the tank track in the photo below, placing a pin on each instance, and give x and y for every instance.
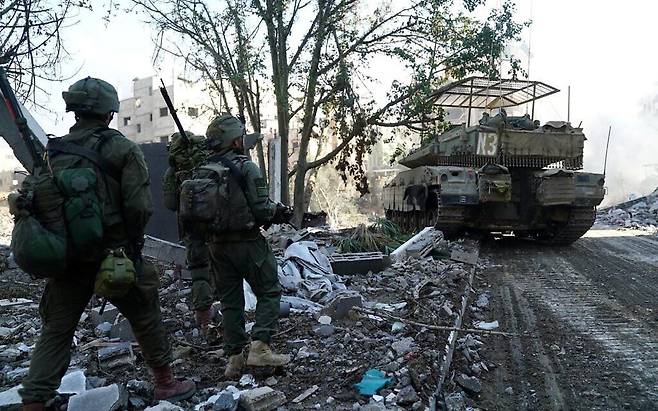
(450, 220)
(580, 221)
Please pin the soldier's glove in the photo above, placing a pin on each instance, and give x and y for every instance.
(283, 214)
(18, 205)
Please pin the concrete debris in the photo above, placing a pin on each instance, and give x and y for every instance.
(455, 402)
(482, 301)
(463, 257)
(403, 346)
(358, 263)
(14, 302)
(407, 396)
(339, 306)
(301, 397)
(262, 399)
(123, 331)
(225, 402)
(471, 385)
(116, 356)
(247, 379)
(419, 245)
(483, 325)
(638, 214)
(109, 314)
(103, 329)
(164, 406)
(325, 330)
(107, 398)
(75, 382)
(164, 251)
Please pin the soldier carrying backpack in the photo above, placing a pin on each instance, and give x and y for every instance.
(95, 198)
(229, 198)
(184, 156)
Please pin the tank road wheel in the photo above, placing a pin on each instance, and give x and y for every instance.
(580, 221)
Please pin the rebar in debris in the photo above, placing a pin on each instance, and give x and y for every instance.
(381, 313)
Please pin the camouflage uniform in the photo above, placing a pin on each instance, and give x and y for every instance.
(126, 210)
(182, 159)
(245, 255)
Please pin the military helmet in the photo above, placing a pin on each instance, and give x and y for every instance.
(91, 95)
(223, 130)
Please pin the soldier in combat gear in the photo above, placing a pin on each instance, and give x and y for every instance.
(244, 254)
(126, 210)
(183, 158)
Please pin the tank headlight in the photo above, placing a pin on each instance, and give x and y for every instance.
(444, 177)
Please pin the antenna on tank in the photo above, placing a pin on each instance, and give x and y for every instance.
(605, 161)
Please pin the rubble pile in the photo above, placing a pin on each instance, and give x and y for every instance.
(640, 215)
(363, 339)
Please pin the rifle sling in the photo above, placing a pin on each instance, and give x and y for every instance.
(91, 155)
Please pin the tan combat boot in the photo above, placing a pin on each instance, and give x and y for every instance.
(234, 367)
(260, 355)
(170, 389)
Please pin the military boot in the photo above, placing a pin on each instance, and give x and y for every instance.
(234, 367)
(33, 406)
(260, 355)
(170, 389)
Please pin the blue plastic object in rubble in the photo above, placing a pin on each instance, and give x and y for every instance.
(372, 382)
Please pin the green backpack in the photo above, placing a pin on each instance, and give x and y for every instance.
(66, 216)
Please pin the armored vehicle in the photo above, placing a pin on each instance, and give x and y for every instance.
(503, 174)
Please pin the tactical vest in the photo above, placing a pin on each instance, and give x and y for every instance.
(215, 198)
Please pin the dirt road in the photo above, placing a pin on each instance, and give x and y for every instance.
(588, 315)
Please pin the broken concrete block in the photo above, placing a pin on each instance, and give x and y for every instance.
(164, 251)
(358, 263)
(16, 375)
(225, 402)
(339, 306)
(103, 329)
(164, 406)
(464, 257)
(10, 354)
(123, 331)
(455, 402)
(471, 385)
(107, 398)
(116, 356)
(109, 314)
(301, 397)
(74, 382)
(10, 398)
(14, 302)
(262, 399)
(403, 346)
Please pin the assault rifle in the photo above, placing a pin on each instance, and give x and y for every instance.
(172, 111)
(15, 129)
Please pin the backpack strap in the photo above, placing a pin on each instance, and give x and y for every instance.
(234, 170)
(57, 144)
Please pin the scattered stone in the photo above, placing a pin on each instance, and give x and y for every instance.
(482, 301)
(103, 329)
(455, 402)
(16, 375)
(403, 346)
(407, 396)
(247, 379)
(483, 325)
(123, 331)
(509, 390)
(398, 327)
(182, 352)
(9, 398)
(139, 387)
(418, 406)
(109, 314)
(14, 302)
(341, 304)
(325, 330)
(301, 397)
(182, 307)
(164, 406)
(271, 381)
(99, 399)
(74, 382)
(225, 402)
(324, 320)
(116, 356)
(10, 355)
(262, 399)
(471, 385)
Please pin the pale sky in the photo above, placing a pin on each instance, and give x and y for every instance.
(603, 49)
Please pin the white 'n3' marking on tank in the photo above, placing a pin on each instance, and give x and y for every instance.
(487, 144)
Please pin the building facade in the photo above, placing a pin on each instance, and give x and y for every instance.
(145, 118)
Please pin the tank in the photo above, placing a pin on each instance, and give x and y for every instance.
(503, 174)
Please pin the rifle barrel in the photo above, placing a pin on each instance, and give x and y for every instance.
(172, 110)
